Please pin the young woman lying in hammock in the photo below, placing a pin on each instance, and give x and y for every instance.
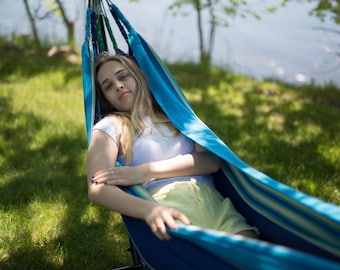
(175, 170)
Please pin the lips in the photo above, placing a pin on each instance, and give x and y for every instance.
(124, 94)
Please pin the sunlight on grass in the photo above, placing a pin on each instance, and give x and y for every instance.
(330, 152)
(91, 214)
(46, 218)
(35, 224)
(61, 103)
(278, 129)
(43, 184)
(303, 134)
(276, 122)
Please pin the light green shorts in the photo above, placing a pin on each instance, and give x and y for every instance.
(203, 205)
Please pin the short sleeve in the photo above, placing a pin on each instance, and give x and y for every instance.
(108, 125)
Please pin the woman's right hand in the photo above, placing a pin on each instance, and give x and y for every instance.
(161, 217)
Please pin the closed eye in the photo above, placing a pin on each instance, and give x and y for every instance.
(107, 86)
(123, 76)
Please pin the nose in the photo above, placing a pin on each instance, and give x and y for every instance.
(119, 86)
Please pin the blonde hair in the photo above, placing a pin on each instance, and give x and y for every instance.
(144, 105)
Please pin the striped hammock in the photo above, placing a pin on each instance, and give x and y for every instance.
(298, 230)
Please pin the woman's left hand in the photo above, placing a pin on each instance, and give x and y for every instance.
(121, 176)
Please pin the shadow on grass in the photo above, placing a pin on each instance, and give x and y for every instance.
(55, 171)
(301, 149)
(52, 173)
(28, 62)
(297, 160)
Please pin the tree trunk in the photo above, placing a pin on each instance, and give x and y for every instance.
(69, 25)
(32, 23)
(200, 29)
(205, 57)
(212, 30)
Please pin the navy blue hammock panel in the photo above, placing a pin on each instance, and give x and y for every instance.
(298, 231)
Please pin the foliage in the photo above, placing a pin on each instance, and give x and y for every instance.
(221, 12)
(326, 8)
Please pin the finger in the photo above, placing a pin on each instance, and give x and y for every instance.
(181, 217)
(116, 182)
(169, 220)
(103, 175)
(100, 179)
(159, 230)
(108, 171)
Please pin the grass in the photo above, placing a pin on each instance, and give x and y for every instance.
(46, 220)
(289, 132)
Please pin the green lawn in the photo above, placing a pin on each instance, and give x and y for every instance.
(46, 220)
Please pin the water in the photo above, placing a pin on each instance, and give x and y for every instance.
(289, 45)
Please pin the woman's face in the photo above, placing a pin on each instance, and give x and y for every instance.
(117, 85)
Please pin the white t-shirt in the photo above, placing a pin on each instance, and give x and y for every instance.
(153, 145)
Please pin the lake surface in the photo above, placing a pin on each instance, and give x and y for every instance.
(289, 44)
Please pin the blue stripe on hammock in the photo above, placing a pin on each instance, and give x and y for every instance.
(233, 249)
(230, 157)
(282, 200)
(258, 196)
(253, 187)
(252, 254)
(87, 64)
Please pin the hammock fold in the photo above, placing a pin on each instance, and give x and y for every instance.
(299, 231)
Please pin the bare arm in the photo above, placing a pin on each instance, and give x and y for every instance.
(102, 155)
(198, 163)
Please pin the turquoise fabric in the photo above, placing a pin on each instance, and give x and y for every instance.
(88, 89)
(284, 216)
(252, 254)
